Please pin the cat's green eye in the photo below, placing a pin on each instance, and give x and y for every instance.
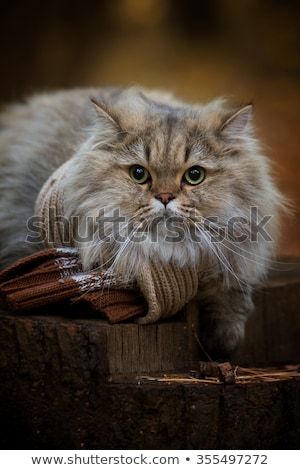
(194, 175)
(139, 174)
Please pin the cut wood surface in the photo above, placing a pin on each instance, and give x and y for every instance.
(77, 382)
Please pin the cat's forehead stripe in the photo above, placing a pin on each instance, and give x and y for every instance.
(166, 135)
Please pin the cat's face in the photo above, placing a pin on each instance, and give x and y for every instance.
(162, 181)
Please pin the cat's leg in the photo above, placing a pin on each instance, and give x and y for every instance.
(223, 315)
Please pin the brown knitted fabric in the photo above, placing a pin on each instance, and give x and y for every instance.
(166, 288)
(55, 275)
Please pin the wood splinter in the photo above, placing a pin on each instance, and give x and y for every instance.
(223, 370)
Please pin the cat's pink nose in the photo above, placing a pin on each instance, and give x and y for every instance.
(165, 198)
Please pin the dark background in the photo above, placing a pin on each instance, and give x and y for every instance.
(247, 50)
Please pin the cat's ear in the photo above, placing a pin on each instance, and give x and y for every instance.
(105, 115)
(237, 125)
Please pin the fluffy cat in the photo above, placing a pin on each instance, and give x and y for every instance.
(153, 178)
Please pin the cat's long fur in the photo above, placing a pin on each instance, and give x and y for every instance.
(120, 224)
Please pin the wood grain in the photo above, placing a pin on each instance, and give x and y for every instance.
(71, 382)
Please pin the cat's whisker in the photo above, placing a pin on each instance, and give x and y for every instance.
(241, 255)
(225, 262)
(271, 262)
(124, 247)
(241, 249)
(220, 255)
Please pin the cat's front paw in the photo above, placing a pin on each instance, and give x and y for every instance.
(222, 322)
(221, 339)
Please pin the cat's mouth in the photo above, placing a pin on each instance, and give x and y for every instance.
(164, 226)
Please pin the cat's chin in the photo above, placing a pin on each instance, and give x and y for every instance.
(132, 256)
(180, 253)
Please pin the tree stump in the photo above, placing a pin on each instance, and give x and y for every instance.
(81, 383)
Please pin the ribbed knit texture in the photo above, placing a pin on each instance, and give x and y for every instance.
(55, 275)
(50, 207)
(166, 288)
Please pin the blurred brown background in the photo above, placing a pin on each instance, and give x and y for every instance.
(247, 50)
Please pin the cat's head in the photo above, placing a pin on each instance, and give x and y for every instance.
(159, 179)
